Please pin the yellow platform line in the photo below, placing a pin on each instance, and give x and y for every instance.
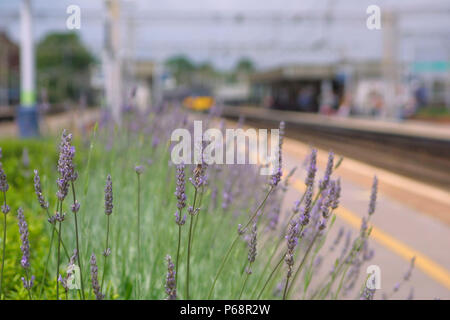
(428, 266)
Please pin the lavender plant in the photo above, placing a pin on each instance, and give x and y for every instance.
(25, 247)
(94, 278)
(180, 193)
(228, 197)
(108, 211)
(5, 209)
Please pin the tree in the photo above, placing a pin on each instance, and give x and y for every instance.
(244, 66)
(181, 68)
(63, 65)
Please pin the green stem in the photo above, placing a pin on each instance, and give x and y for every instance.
(56, 230)
(58, 260)
(266, 266)
(138, 237)
(105, 253)
(3, 255)
(4, 247)
(189, 245)
(196, 220)
(302, 262)
(270, 276)
(285, 288)
(28, 289)
(77, 243)
(46, 263)
(222, 265)
(245, 282)
(178, 253)
(235, 240)
(341, 282)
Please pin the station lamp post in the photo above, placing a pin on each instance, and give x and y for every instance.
(27, 117)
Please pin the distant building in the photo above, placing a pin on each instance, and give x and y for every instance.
(9, 71)
(297, 87)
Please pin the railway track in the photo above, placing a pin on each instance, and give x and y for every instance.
(421, 156)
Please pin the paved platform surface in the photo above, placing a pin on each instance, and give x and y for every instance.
(403, 226)
(73, 121)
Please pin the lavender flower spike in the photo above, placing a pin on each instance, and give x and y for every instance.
(373, 196)
(252, 245)
(3, 182)
(66, 168)
(292, 241)
(180, 190)
(25, 247)
(276, 176)
(312, 168)
(38, 190)
(329, 169)
(94, 278)
(171, 289)
(336, 194)
(108, 196)
(28, 284)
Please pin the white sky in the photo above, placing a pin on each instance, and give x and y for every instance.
(267, 43)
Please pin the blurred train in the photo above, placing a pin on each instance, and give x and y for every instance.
(198, 99)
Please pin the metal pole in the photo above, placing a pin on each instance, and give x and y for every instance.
(27, 114)
(390, 64)
(112, 60)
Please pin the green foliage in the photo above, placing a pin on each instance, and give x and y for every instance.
(63, 64)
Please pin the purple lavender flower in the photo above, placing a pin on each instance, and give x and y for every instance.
(94, 278)
(252, 244)
(38, 190)
(108, 196)
(292, 241)
(373, 196)
(180, 190)
(199, 177)
(5, 208)
(25, 247)
(330, 198)
(312, 168)
(60, 217)
(367, 294)
(171, 289)
(28, 284)
(139, 169)
(70, 270)
(180, 220)
(66, 168)
(75, 207)
(3, 182)
(306, 210)
(329, 169)
(276, 176)
(336, 194)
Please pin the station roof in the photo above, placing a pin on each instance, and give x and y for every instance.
(295, 72)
